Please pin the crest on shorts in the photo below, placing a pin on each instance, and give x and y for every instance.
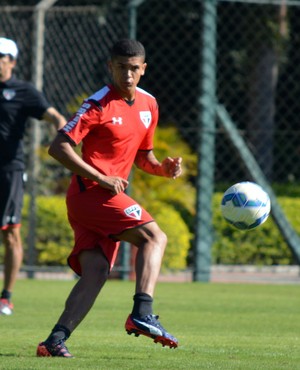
(134, 211)
(146, 117)
(9, 94)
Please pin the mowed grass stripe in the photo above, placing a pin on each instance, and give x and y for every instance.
(219, 326)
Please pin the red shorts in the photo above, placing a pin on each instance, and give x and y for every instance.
(95, 216)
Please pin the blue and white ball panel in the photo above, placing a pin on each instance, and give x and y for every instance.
(245, 205)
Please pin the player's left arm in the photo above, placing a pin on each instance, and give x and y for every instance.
(169, 167)
(51, 115)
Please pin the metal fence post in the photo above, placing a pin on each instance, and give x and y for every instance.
(206, 148)
(35, 131)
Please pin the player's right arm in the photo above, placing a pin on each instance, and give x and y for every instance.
(62, 150)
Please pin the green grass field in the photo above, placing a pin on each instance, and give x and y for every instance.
(219, 326)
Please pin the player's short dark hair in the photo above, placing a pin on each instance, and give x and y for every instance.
(128, 48)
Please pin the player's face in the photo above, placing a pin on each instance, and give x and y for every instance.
(6, 67)
(126, 73)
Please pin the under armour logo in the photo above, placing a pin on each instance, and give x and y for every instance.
(116, 120)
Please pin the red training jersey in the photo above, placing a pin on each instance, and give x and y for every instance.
(112, 131)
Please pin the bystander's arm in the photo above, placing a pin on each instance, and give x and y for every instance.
(53, 116)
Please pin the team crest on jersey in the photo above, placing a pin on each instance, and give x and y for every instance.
(9, 94)
(146, 118)
(134, 211)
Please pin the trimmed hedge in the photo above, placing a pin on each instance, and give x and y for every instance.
(54, 236)
(172, 204)
(261, 246)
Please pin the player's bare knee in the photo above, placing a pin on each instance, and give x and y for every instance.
(97, 274)
(157, 240)
(12, 239)
(154, 236)
(94, 263)
(162, 239)
(101, 275)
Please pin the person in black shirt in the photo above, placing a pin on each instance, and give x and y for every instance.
(19, 100)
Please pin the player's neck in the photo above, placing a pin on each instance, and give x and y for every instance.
(128, 95)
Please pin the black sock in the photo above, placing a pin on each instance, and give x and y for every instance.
(59, 333)
(142, 305)
(6, 294)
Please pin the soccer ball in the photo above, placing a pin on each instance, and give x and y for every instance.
(245, 205)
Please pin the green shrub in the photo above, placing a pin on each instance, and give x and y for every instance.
(171, 222)
(179, 193)
(172, 203)
(54, 236)
(262, 246)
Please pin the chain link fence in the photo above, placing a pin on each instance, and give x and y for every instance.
(257, 68)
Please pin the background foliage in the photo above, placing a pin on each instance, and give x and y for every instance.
(171, 202)
(257, 73)
(261, 246)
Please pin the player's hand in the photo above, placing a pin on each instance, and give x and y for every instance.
(115, 184)
(172, 167)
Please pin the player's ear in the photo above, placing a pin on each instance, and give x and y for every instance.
(144, 69)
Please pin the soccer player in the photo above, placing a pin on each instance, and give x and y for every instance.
(19, 100)
(116, 127)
